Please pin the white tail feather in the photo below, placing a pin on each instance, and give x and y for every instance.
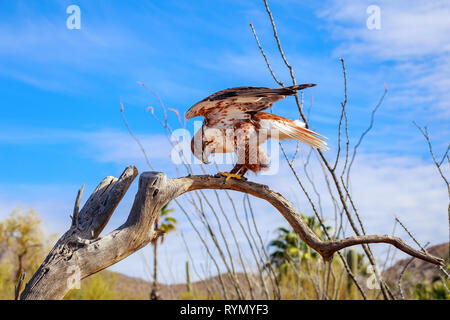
(289, 129)
(299, 123)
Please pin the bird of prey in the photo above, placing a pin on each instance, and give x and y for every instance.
(234, 122)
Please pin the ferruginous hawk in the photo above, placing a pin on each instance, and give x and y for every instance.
(234, 123)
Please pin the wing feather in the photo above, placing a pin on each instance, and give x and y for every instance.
(241, 100)
(288, 129)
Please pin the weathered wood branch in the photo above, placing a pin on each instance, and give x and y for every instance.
(80, 252)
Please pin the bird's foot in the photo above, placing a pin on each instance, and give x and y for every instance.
(229, 175)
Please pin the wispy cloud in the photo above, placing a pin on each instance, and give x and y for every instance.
(409, 29)
(413, 42)
(102, 145)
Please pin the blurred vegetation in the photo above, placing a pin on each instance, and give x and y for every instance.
(302, 272)
(288, 250)
(97, 287)
(23, 245)
(433, 291)
(194, 295)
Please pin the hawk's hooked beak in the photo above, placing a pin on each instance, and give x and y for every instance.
(205, 161)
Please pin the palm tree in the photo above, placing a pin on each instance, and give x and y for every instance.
(167, 225)
(288, 248)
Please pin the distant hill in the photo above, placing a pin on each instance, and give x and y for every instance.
(137, 288)
(419, 269)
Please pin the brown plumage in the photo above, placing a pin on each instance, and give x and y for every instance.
(234, 123)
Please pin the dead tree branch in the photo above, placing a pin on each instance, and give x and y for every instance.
(18, 287)
(80, 252)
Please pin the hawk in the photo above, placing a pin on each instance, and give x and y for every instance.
(234, 122)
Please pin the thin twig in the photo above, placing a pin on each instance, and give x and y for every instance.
(372, 121)
(265, 57)
(134, 137)
(401, 276)
(343, 104)
(18, 287)
(438, 164)
(76, 207)
(417, 242)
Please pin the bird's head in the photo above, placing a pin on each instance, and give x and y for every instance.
(200, 148)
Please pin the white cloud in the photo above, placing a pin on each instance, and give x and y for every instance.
(408, 28)
(108, 145)
(119, 147)
(414, 41)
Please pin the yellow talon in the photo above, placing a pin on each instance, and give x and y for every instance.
(231, 175)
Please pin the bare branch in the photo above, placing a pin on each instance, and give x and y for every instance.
(18, 287)
(372, 121)
(133, 135)
(420, 246)
(438, 164)
(401, 276)
(76, 207)
(325, 248)
(265, 57)
(444, 156)
(275, 34)
(343, 104)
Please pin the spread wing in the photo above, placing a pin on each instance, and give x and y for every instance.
(240, 100)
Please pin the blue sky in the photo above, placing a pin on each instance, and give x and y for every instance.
(60, 117)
